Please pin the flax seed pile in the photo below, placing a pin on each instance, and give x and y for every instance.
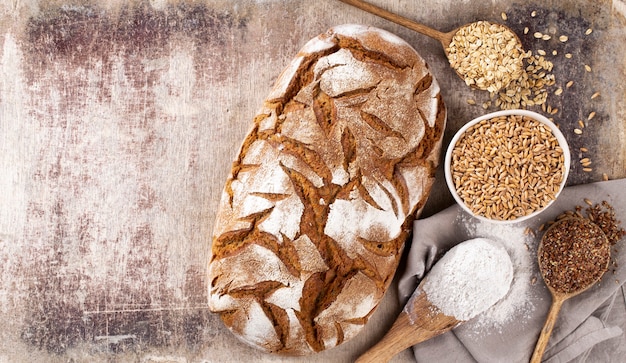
(574, 254)
(507, 167)
(601, 215)
(604, 216)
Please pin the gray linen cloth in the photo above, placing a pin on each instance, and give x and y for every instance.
(508, 331)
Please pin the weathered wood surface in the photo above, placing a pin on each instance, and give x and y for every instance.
(118, 124)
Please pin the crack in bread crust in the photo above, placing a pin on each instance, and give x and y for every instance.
(321, 198)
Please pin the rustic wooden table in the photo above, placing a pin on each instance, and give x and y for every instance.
(118, 124)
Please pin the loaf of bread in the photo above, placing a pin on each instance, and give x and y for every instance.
(314, 215)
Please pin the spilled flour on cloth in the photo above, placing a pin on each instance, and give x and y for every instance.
(517, 305)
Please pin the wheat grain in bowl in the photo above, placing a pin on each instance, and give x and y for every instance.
(507, 166)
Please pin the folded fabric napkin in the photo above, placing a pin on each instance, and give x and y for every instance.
(508, 331)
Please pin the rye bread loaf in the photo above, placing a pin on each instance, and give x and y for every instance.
(314, 215)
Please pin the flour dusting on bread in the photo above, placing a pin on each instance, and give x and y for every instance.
(314, 215)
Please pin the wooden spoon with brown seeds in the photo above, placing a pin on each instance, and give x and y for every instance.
(508, 62)
(573, 255)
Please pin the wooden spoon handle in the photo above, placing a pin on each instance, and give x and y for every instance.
(546, 332)
(389, 345)
(418, 322)
(402, 335)
(444, 38)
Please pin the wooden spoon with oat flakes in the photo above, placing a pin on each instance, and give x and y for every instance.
(487, 56)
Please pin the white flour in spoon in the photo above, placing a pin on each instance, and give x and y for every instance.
(470, 278)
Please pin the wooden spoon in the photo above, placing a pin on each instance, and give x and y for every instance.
(419, 321)
(561, 232)
(423, 318)
(444, 38)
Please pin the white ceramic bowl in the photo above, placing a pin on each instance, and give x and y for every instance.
(535, 116)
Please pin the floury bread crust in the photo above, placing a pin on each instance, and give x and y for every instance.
(314, 216)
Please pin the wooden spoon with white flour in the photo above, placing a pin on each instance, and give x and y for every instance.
(469, 279)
